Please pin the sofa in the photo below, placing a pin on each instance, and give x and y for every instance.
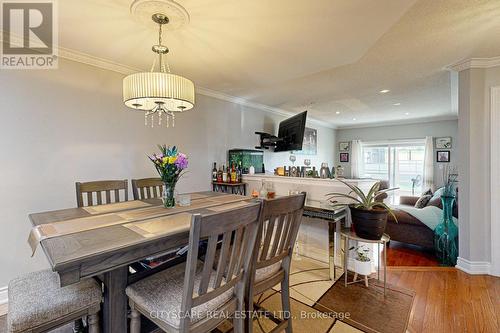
(409, 229)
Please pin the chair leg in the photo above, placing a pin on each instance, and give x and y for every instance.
(285, 302)
(93, 322)
(135, 321)
(238, 318)
(78, 326)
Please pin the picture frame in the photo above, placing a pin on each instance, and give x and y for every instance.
(344, 146)
(344, 157)
(443, 156)
(443, 143)
(310, 143)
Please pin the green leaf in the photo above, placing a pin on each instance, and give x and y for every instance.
(341, 195)
(354, 188)
(373, 190)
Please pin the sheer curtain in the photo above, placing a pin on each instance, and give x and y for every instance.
(428, 164)
(356, 159)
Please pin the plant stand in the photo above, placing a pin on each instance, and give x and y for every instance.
(356, 279)
(347, 234)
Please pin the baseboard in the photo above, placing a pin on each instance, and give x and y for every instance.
(473, 267)
(4, 297)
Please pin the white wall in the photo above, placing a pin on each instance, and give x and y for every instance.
(409, 131)
(67, 125)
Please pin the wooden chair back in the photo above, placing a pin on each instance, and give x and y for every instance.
(93, 192)
(147, 188)
(238, 229)
(278, 229)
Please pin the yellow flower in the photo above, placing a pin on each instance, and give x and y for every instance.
(172, 159)
(164, 160)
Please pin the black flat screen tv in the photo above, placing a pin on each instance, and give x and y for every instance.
(291, 133)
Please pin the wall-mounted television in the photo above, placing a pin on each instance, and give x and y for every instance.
(291, 133)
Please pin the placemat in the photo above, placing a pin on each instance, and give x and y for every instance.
(115, 207)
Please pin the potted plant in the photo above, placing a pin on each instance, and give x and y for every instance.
(369, 216)
(362, 261)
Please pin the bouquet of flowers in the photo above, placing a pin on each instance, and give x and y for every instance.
(170, 164)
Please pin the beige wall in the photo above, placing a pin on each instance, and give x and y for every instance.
(408, 131)
(67, 125)
(474, 140)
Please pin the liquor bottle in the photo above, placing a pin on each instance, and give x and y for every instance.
(224, 175)
(214, 173)
(233, 174)
(240, 172)
(228, 172)
(219, 175)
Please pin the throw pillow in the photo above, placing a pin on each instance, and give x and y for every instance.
(436, 199)
(428, 192)
(423, 201)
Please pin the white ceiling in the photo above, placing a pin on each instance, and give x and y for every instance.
(324, 55)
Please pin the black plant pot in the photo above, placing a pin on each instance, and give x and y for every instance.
(369, 224)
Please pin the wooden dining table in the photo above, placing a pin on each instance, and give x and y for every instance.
(87, 246)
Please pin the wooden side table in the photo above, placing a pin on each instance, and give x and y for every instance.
(351, 235)
(232, 188)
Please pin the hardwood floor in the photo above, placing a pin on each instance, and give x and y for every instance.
(449, 300)
(400, 254)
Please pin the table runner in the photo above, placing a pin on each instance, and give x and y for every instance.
(114, 207)
(62, 228)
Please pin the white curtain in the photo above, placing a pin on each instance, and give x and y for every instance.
(429, 164)
(356, 159)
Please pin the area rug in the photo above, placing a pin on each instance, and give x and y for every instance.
(368, 310)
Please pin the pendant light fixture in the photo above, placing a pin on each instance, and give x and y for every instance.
(159, 93)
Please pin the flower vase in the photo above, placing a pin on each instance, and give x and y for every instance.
(168, 195)
(446, 235)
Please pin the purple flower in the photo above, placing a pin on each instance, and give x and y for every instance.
(181, 162)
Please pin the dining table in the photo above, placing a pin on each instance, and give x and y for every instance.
(103, 241)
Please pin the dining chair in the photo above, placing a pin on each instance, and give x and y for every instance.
(280, 222)
(38, 304)
(193, 296)
(147, 188)
(111, 189)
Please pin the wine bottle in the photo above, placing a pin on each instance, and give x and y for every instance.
(224, 174)
(240, 172)
(214, 172)
(228, 177)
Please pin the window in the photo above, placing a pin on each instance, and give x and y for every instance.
(399, 162)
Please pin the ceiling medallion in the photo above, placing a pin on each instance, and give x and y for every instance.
(142, 10)
(159, 93)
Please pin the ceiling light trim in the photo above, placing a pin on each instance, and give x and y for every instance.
(105, 64)
(474, 63)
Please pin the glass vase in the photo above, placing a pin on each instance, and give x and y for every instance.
(168, 195)
(446, 235)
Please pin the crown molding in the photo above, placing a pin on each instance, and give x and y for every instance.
(105, 64)
(474, 63)
(258, 106)
(401, 122)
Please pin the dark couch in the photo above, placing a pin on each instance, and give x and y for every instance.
(409, 229)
